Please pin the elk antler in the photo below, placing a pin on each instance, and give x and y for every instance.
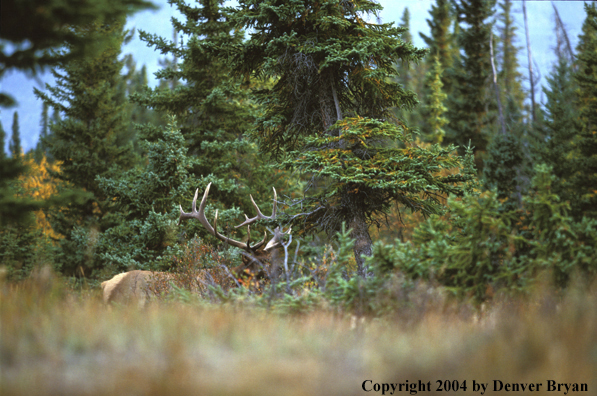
(200, 215)
(260, 216)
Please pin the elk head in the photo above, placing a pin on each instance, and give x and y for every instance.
(256, 255)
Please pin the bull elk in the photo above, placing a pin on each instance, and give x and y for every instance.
(137, 285)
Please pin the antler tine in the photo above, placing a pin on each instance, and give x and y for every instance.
(260, 216)
(200, 215)
(184, 215)
(259, 244)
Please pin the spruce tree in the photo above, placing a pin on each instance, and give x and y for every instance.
(584, 178)
(14, 145)
(411, 78)
(435, 102)
(509, 77)
(13, 209)
(212, 108)
(328, 112)
(506, 164)
(471, 105)
(556, 145)
(147, 198)
(2, 142)
(88, 140)
(404, 74)
(442, 41)
(41, 147)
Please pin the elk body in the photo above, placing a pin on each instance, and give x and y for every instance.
(132, 286)
(139, 286)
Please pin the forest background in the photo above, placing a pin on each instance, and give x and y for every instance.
(472, 182)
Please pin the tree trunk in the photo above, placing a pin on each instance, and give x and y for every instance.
(531, 78)
(496, 87)
(362, 241)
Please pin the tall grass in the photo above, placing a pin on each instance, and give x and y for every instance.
(55, 342)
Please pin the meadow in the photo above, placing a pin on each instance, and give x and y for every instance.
(57, 341)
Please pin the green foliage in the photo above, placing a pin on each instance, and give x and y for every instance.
(368, 163)
(90, 140)
(435, 102)
(443, 48)
(471, 111)
(14, 145)
(212, 108)
(477, 248)
(326, 61)
(442, 42)
(556, 145)
(559, 242)
(13, 209)
(410, 77)
(584, 178)
(502, 169)
(147, 198)
(509, 77)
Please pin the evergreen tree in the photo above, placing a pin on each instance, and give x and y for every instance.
(509, 77)
(559, 131)
(471, 106)
(436, 98)
(404, 75)
(41, 147)
(411, 78)
(506, 166)
(325, 113)
(212, 108)
(148, 197)
(3, 143)
(442, 42)
(14, 145)
(584, 178)
(89, 139)
(14, 209)
(134, 82)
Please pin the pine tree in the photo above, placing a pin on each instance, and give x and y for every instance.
(14, 145)
(89, 139)
(471, 107)
(334, 86)
(584, 178)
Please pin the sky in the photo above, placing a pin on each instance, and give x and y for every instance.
(541, 29)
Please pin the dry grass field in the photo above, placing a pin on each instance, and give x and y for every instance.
(55, 342)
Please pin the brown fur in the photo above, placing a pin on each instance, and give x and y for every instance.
(132, 286)
(141, 287)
